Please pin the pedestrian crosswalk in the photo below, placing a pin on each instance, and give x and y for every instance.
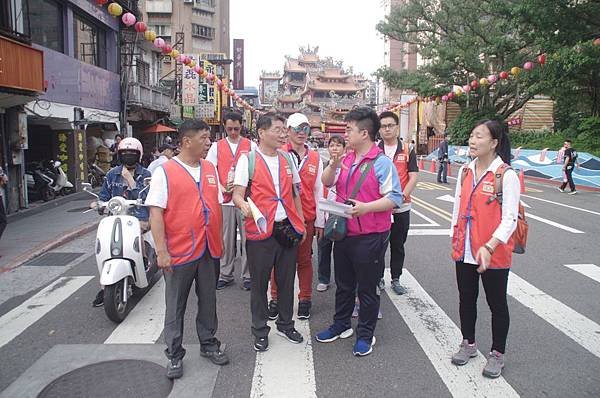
(276, 372)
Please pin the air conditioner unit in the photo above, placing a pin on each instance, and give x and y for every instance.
(189, 1)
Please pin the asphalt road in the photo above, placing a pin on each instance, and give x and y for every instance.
(553, 345)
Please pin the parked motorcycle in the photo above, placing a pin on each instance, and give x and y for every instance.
(39, 182)
(61, 184)
(95, 174)
(126, 257)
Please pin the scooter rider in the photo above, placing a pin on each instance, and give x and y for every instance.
(126, 180)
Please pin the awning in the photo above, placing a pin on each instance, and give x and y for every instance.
(159, 128)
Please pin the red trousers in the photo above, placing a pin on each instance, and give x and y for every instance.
(304, 268)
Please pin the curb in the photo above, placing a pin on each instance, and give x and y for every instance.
(49, 245)
(23, 213)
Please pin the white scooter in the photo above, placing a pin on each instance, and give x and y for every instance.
(125, 257)
(61, 182)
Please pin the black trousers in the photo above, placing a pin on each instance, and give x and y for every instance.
(569, 174)
(398, 235)
(3, 220)
(494, 283)
(178, 283)
(442, 171)
(325, 247)
(263, 256)
(358, 264)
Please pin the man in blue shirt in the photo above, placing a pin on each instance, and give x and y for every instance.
(126, 180)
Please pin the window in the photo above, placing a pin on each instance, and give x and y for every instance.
(207, 3)
(89, 41)
(203, 31)
(201, 13)
(142, 71)
(161, 30)
(46, 24)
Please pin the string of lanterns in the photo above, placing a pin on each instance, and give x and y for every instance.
(130, 20)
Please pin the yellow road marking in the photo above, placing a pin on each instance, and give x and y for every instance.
(430, 186)
(434, 209)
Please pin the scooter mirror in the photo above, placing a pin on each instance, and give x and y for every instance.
(57, 164)
(86, 186)
(147, 181)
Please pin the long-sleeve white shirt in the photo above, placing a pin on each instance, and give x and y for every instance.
(511, 192)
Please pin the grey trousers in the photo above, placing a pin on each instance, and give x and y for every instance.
(233, 254)
(177, 289)
(263, 255)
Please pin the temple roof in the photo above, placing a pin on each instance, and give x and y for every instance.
(333, 73)
(292, 65)
(289, 98)
(342, 86)
(270, 76)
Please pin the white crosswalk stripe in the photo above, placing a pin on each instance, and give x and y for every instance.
(438, 336)
(20, 318)
(592, 271)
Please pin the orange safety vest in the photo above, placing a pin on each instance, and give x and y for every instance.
(264, 196)
(226, 159)
(308, 177)
(479, 208)
(193, 214)
(401, 160)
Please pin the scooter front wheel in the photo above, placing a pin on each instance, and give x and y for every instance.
(114, 306)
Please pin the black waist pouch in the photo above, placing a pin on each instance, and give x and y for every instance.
(285, 234)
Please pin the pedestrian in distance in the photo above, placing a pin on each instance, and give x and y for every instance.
(482, 225)
(310, 169)
(405, 162)
(126, 180)
(369, 182)
(185, 213)
(267, 177)
(3, 219)
(569, 163)
(336, 147)
(442, 175)
(225, 154)
(167, 151)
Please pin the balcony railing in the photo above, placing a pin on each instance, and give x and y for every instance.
(21, 66)
(159, 6)
(154, 98)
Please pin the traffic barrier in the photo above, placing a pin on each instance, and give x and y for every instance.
(449, 169)
(421, 163)
(522, 180)
(432, 166)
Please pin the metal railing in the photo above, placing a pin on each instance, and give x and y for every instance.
(155, 98)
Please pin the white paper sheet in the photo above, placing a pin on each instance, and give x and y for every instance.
(333, 207)
(259, 219)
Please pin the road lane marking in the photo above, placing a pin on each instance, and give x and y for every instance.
(286, 369)
(592, 271)
(582, 330)
(429, 232)
(562, 204)
(553, 223)
(424, 217)
(434, 209)
(439, 337)
(446, 198)
(430, 186)
(20, 318)
(145, 322)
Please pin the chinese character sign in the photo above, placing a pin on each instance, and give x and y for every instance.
(189, 84)
(238, 64)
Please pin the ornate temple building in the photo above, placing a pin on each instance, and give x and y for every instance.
(320, 88)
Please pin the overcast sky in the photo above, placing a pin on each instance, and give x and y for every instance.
(271, 29)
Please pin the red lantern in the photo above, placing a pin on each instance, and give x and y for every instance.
(451, 95)
(542, 59)
(503, 75)
(101, 2)
(141, 27)
(167, 49)
(474, 84)
(187, 60)
(226, 89)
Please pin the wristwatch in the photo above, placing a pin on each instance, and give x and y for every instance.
(489, 248)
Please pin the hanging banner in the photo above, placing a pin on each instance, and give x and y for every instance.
(238, 64)
(189, 84)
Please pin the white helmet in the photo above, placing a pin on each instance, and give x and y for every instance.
(132, 144)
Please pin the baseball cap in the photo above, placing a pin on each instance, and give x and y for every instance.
(296, 119)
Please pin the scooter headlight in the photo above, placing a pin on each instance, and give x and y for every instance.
(115, 206)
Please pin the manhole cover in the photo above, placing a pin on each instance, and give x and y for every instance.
(120, 378)
(53, 259)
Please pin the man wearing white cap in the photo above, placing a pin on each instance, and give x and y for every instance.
(310, 169)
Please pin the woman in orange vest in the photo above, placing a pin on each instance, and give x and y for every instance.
(482, 226)
(185, 216)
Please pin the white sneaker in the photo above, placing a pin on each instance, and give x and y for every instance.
(572, 193)
(321, 287)
(560, 189)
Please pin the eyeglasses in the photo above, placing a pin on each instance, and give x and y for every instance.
(230, 129)
(298, 130)
(388, 126)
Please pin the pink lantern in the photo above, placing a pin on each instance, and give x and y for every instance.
(141, 27)
(451, 95)
(187, 60)
(128, 19)
(466, 88)
(167, 49)
(232, 93)
(159, 42)
(180, 58)
(198, 69)
(445, 98)
(528, 65)
(226, 89)
(210, 77)
(219, 83)
(492, 79)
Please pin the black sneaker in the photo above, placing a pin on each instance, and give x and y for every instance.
(292, 335)
(217, 357)
(261, 343)
(99, 300)
(273, 310)
(246, 285)
(175, 368)
(221, 284)
(304, 309)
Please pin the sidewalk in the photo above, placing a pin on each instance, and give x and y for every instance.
(29, 237)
